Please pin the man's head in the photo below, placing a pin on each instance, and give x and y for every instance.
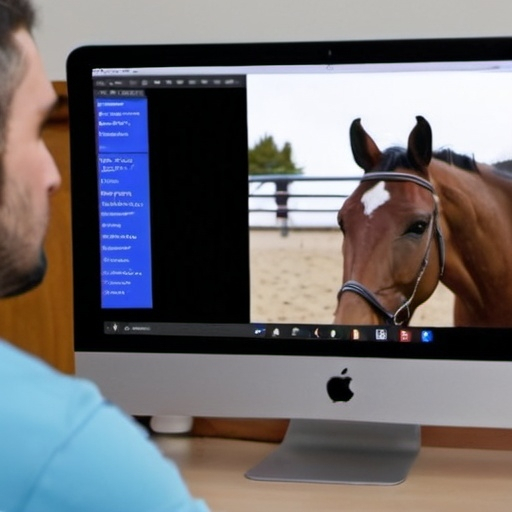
(14, 15)
(27, 171)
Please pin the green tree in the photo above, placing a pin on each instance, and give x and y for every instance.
(266, 158)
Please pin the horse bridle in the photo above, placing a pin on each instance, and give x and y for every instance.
(435, 230)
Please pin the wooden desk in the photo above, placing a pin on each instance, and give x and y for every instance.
(442, 479)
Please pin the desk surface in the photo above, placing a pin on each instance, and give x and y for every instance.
(442, 479)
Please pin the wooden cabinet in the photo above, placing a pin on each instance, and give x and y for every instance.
(41, 321)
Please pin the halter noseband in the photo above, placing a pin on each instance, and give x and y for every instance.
(367, 295)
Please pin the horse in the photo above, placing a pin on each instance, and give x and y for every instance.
(417, 218)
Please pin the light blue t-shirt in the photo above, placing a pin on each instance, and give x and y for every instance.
(64, 448)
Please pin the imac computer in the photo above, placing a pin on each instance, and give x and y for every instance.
(314, 231)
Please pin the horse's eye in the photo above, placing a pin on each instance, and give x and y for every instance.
(417, 228)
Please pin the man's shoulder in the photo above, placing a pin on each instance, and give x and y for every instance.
(28, 377)
(58, 430)
(38, 400)
(40, 409)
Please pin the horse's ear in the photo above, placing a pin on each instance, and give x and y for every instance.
(419, 148)
(366, 153)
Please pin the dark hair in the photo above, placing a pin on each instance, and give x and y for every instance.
(14, 15)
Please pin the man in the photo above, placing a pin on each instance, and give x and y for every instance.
(62, 447)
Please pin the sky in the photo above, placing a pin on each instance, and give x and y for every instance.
(469, 112)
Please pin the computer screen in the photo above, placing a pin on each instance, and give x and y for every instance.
(316, 231)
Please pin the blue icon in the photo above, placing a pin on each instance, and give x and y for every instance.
(260, 330)
(427, 336)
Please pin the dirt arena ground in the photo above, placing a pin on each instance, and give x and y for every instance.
(295, 278)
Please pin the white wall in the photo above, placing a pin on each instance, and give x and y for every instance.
(65, 24)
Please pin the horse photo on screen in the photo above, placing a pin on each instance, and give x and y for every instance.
(420, 217)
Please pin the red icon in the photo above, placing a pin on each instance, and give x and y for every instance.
(405, 336)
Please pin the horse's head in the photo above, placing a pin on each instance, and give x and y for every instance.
(392, 247)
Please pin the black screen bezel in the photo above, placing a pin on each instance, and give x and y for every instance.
(89, 335)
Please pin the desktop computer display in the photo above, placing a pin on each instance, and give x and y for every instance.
(314, 230)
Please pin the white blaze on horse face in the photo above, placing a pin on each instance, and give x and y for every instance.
(375, 197)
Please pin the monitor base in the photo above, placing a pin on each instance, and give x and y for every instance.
(329, 451)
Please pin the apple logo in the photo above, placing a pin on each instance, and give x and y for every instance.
(338, 388)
